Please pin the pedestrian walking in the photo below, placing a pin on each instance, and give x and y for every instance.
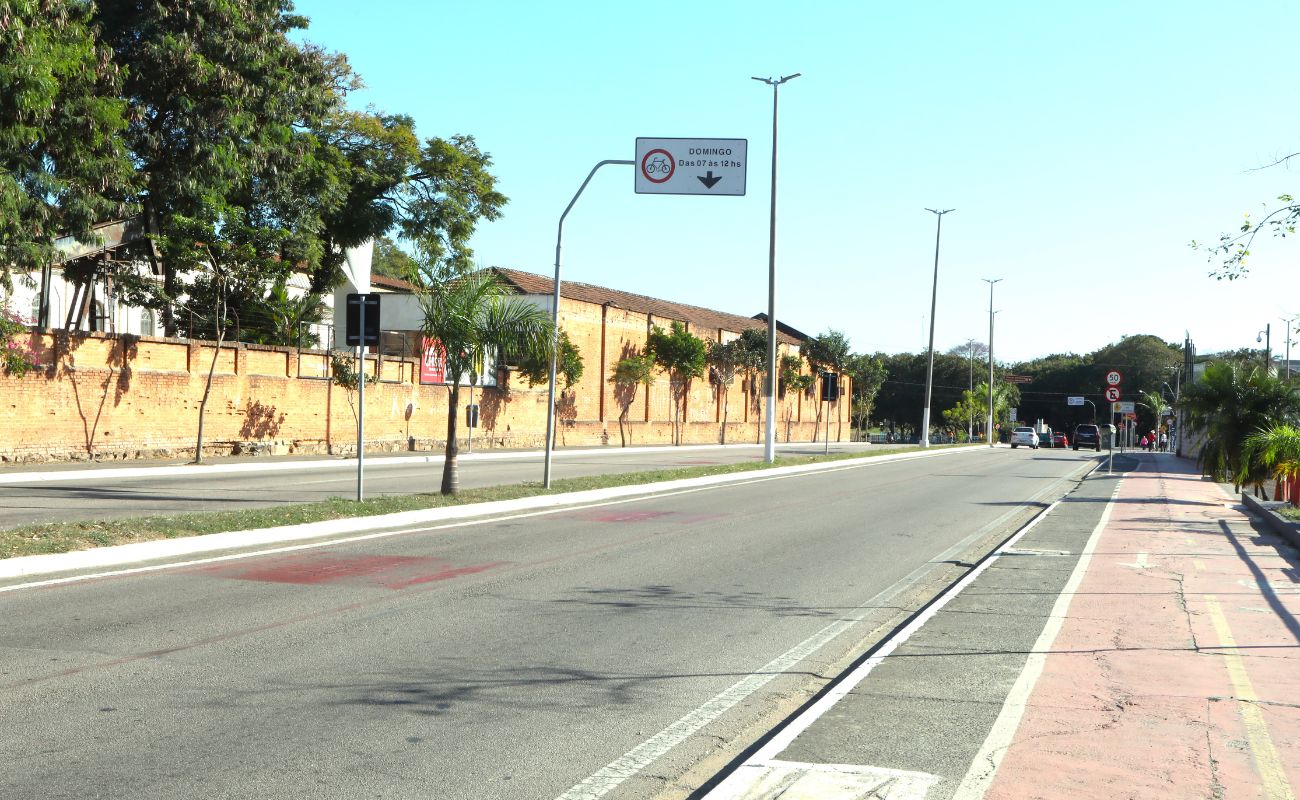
(1164, 441)
(1143, 442)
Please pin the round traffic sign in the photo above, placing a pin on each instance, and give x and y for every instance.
(1113, 378)
(658, 165)
(1112, 393)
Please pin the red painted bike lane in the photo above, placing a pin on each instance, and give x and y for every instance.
(1176, 669)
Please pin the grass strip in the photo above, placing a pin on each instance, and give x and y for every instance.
(64, 537)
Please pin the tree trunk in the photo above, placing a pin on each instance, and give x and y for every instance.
(207, 388)
(622, 420)
(723, 433)
(450, 477)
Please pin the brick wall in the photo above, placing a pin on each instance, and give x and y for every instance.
(107, 396)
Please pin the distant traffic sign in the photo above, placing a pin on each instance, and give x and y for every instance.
(691, 166)
(1126, 407)
(1112, 393)
(1074, 401)
(1113, 378)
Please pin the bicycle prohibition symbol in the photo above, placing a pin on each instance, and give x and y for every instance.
(658, 166)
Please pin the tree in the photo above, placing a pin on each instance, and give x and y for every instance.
(629, 373)
(827, 352)
(280, 318)
(868, 374)
(568, 366)
(794, 380)
(683, 356)
(471, 315)
(753, 343)
(1276, 451)
(726, 361)
(1233, 249)
(391, 261)
(1229, 403)
(65, 162)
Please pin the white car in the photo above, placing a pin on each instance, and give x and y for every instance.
(1025, 436)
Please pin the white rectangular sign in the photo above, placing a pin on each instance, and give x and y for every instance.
(691, 166)
(1126, 406)
(1074, 401)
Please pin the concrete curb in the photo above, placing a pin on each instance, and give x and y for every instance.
(1280, 525)
(373, 460)
(23, 566)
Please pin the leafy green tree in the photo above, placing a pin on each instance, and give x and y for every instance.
(726, 362)
(472, 315)
(629, 373)
(1232, 249)
(753, 344)
(391, 261)
(827, 352)
(1229, 403)
(568, 366)
(793, 380)
(683, 356)
(62, 119)
(1276, 451)
(868, 374)
(281, 318)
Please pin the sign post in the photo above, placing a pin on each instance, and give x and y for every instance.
(691, 166)
(362, 330)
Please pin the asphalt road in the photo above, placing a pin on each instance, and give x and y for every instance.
(507, 658)
(104, 493)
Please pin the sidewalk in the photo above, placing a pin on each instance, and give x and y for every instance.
(1176, 671)
(1139, 639)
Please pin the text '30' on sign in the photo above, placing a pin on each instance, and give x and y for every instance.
(691, 166)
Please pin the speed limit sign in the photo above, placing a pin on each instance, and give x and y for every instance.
(1112, 393)
(1113, 378)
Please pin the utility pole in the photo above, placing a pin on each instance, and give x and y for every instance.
(989, 429)
(769, 437)
(934, 297)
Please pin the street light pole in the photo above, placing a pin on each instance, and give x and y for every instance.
(769, 438)
(934, 297)
(1266, 336)
(988, 431)
(1288, 345)
(970, 361)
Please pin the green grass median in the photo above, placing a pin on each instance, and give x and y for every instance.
(63, 537)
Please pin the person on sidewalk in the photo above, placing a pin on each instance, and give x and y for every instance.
(1143, 442)
(1164, 441)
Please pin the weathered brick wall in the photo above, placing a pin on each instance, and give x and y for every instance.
(106, 396)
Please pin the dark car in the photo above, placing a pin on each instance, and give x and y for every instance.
(1087, 436)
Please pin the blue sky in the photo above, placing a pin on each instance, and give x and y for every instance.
(1083, 148)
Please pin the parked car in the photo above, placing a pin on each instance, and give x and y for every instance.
(1044, 437)
(1024, 435)
(1087, 436)
(1060, 440)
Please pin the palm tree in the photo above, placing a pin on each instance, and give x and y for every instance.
(1229, 403)
(472, 315)
(1276, 450)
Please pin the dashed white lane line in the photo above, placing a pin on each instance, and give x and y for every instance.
(744, 782)
(985, 765)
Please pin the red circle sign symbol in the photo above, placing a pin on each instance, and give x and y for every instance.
(1112, 393)
(658, 165)
(1113, 378)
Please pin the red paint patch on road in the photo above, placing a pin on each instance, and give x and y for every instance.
(609, 515)
(392, 572)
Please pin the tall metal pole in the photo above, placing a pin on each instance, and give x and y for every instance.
(934, 297)
(769, 437)
(1288, 345)
(555, 317)
(988, 431)
(361, 395)
(970, 360)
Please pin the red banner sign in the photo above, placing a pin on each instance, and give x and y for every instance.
(433, 363)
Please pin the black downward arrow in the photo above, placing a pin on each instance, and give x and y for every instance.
(710, 181)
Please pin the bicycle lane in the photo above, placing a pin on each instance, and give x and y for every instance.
(1177, 668)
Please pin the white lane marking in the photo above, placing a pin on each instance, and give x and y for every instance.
(170, 548)
(985, 765)
(793, 780)
(736, 784)
(1138, 563)
(645, 753)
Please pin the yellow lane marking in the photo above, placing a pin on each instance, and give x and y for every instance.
(1267, 762)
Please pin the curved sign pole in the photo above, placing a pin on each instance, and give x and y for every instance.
(555, 316)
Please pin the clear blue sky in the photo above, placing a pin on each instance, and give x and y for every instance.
(1083, 148)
